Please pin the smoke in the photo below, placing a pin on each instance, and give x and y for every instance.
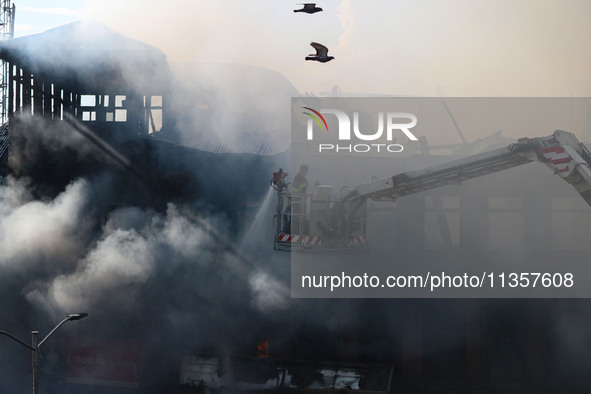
(402, 47)
(230, 107)
(79, 233)
(265, 35)
(269, 293)
(179, 273)
(82, 233)
(122, 260)
(133, 247)
(115, 258)
(34, 231)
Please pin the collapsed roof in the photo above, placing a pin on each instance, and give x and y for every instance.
(86, 56)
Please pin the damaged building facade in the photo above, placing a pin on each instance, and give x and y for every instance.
(113, 83)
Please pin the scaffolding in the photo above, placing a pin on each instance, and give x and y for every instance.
(7, 12)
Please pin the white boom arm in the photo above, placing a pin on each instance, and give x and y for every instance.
(561, 151)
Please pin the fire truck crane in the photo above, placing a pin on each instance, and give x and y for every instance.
(313, 221)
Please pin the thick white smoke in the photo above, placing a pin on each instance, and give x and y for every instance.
(135, 247)
(269, 293)
(120, 261)
(38, 232)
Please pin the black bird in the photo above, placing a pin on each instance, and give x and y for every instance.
(321, 53)
(309, 8)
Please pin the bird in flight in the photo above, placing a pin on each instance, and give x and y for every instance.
(321, 54)
(309, 8)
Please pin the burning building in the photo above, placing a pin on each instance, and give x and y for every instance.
(113, 83)
(89, 118)
(103, 212)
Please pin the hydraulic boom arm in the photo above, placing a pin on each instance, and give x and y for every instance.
(561, 151)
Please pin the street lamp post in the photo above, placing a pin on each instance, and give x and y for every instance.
(35, 345)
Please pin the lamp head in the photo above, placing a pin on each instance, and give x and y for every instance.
(77, 316)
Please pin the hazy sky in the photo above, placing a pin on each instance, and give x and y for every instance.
(406, 47)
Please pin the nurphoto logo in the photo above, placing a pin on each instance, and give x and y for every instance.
(395, 122)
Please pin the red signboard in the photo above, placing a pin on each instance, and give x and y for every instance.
(103, 361)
